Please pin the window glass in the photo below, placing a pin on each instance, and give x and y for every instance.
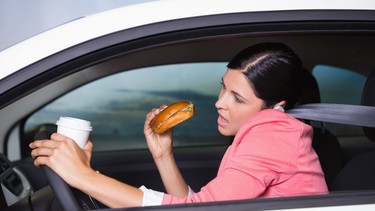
(338, 85)
(117, 105)
(342, 86)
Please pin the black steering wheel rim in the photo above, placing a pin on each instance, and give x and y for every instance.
(61, 190)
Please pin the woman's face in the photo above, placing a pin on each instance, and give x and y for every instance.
(237, 102)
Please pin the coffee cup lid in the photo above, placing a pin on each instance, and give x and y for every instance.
(75, 123)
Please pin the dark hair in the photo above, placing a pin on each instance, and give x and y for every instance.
(274, 72)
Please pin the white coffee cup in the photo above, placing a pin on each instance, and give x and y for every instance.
(76, 129)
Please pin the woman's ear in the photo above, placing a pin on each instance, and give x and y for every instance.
(280, 106)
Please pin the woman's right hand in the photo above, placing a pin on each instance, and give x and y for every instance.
(65, 157)
(160, 145)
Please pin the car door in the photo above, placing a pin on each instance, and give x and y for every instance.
(33, 98)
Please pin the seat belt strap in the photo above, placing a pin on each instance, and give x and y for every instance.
(336, 113)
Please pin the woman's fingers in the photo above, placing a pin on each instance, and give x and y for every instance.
(44, 151)
(88, 149)
(156, 111)
(41, 161)
(42, 143)
(151, 115)
(55, 137)
(58, 137)
(41, 151)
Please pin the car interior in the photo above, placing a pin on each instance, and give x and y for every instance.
(346, 159)
(357, 173)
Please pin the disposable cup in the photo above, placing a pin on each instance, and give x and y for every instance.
(76, 129)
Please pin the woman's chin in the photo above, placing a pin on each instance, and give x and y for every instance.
(224, 131)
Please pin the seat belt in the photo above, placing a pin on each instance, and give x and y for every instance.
(336, 113)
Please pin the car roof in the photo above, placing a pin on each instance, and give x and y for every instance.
(97, 25)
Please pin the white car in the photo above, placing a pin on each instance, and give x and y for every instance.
(111, 68)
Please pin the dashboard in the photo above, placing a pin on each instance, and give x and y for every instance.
(14, 184)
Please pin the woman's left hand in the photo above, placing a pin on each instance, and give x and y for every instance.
(64, 157)
(160, 145)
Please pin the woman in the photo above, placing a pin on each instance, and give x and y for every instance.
(271, 154)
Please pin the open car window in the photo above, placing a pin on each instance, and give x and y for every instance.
(117, 105)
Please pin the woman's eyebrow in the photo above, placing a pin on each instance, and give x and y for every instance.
(239, 95)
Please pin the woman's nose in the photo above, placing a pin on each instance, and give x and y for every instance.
(220, 101)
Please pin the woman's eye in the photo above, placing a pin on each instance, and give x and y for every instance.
(238, 100)
(222, 84)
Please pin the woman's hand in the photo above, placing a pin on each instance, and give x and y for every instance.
(64, 157)
(160, 145)
(72, 164)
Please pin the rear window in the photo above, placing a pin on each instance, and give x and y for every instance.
(341, 86)
(338, 85)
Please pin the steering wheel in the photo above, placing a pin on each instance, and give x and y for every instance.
(69, 198)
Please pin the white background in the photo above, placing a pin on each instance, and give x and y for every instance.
(20, 19)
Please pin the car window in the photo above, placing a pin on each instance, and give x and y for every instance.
(117, 105)
(342, 86)
(338, 85)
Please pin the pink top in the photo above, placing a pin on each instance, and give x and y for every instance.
(271, 156)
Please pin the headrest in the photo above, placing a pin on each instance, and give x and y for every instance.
(368, 99)
(310, 93)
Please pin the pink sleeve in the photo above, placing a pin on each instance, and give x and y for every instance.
(262, 157)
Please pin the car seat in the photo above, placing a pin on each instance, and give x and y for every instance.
(325, 144)
(359, 172)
